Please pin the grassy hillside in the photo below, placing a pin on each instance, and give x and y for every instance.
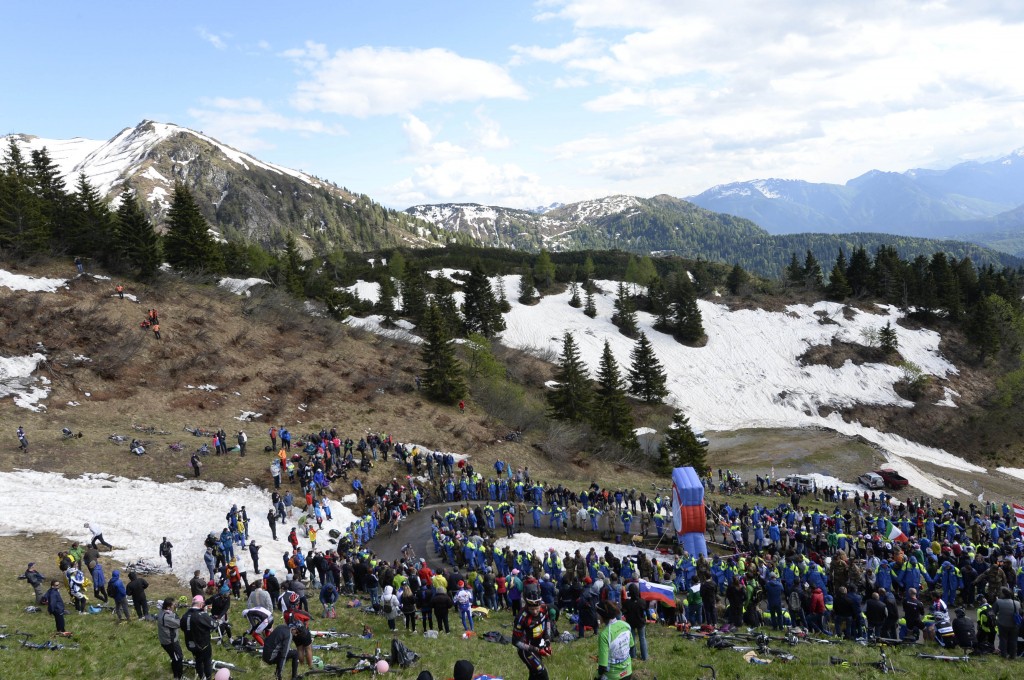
(266, 354)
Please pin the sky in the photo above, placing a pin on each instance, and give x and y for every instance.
(527, 103)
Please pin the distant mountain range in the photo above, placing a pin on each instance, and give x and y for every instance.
(247, 199)
(665, 225)
(974, 201)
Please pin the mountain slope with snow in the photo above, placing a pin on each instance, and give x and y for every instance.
(244, 198)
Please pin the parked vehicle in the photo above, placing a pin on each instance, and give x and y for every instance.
(871, 480)
(893, 479)
(797, 483)
(701, 439)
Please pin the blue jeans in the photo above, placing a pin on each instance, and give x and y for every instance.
(640, 638)
(467, 619)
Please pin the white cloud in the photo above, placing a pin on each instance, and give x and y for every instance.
(578, 47)
(371, 81)
(240, 122)
(487, 132)
(218, 41)
(716, 91)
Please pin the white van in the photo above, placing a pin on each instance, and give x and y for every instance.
(797, 483)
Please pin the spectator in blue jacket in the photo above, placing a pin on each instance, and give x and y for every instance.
(773, 595)
(55, 604)
(117, 591)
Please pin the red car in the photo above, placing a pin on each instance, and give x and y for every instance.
(892, 479)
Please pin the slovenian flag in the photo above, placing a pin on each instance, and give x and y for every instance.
(657, 591)
(893, 533)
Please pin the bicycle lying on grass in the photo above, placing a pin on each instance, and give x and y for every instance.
(883, 665)
(376, 663)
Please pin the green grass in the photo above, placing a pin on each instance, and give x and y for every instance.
(132, 651)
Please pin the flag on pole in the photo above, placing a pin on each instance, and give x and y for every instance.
(1018, 510)
(893, 533)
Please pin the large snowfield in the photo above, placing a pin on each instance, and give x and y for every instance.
(747, 376)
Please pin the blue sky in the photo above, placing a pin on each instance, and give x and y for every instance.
(523, 104)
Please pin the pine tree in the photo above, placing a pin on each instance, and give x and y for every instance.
(647, 376)
(838, 287)
(442, 379)
(794, 272)
(590, 309)
(625, 314)
(447, 308)
(571, 397)
(588, 273)
(55, 204)
(136, 244)
(527, 291)
(480, 306)
(188, 245)
(503, 304)
(91, 225)
(887, 340)
(23, 228)
(813, 277)
(414, 294)
(687, 323)
(737, 279)
(386, 300)
(291, 269)
(681, 448)
(611, 414)
(396, 265)
(982, 329)
(544, 272)
(858, 274)
(574, 295)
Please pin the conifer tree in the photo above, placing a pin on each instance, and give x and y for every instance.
(291, 269)
(503, 304)
(737, 278)
(447, 308)
(574, 295)
(813, 277)
(91, 225)
(625, 314)
(647, 376)
(23, 229)
(838, 287)
(858, 274)
(588, 273)
(442, 379)
(887, 340)
(571, 397)
(386, 300)
(982, 329)
(136, 244)
(481, 308)
(527, 291)
(396, 265)
(612, 415)
(543, 272)
(687, 323)
(590, 309)
(414, 294)
(681, 448)
(794, 272)
(188, 245)
(55, 204)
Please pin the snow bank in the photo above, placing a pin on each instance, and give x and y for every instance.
(30, 283)
(16, 381)
(135, 515)
(240, 286)
(529, 543)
